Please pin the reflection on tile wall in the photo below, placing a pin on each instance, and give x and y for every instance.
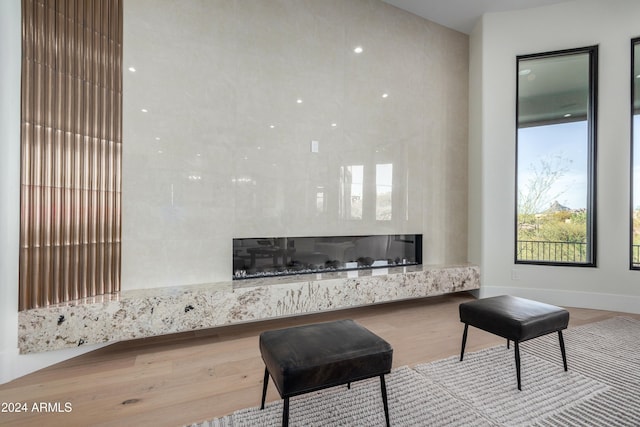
(286, 118)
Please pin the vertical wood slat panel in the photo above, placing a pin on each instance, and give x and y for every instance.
(71, 150)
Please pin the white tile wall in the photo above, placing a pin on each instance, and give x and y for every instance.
(204, 164)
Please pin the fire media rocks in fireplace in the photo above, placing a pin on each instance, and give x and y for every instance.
(281, 256)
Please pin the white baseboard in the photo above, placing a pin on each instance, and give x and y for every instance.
(593, 300)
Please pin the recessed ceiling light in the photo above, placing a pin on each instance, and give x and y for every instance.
(358, 49)
(157, 138)
(385, 95)
(198, 154)
(524, 72)
(272, 126)
(299, 101)
(144, 110)
(159, 151)
(132, 69)
(334, 125)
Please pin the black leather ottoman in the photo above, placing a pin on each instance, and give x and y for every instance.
(313, 357)
(516, 319)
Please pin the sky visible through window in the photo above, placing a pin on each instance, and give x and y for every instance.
(636, 161)
(565, 148)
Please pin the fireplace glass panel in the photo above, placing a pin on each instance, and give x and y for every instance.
(281, 256)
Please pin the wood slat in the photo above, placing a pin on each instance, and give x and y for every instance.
(71, 114)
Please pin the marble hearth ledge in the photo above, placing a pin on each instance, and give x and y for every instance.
(150, 312)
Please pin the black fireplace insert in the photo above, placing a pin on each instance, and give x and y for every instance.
(282, 256)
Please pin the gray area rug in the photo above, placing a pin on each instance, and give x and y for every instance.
(601, 388)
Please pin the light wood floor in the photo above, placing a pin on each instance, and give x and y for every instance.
(184, 378)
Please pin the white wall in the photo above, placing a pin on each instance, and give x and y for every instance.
(498, 40)
(10, 41)
(12, 364)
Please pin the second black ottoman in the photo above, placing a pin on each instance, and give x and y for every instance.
(516, 319)
(313, 357)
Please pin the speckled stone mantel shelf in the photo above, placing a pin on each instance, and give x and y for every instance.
(144, 313)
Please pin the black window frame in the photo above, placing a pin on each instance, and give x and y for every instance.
(592, 129)
(633, 72)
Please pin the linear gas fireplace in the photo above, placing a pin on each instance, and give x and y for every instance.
(282, 256)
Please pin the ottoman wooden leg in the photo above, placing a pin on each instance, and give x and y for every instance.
(464, 340)
(564, 354)
(383, 388)
(264, 387)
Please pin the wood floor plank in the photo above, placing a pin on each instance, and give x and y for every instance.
(183, 378)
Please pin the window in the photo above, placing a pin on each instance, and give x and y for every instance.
(555, 158)
(635, 154)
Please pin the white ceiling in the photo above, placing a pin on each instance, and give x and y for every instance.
(462, 15)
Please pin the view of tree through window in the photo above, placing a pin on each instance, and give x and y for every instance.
(555, 165)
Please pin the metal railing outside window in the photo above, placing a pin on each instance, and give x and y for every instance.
(635, 256)
(546, 251)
